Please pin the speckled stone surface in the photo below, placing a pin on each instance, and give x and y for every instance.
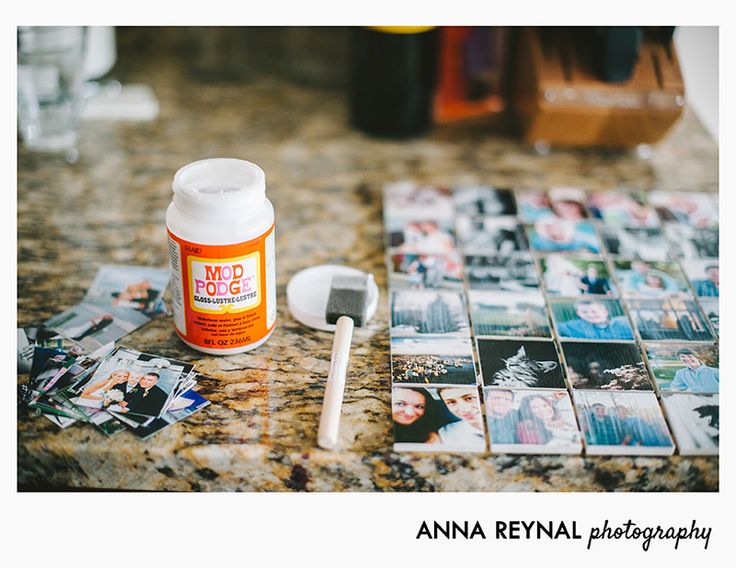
(324, 180)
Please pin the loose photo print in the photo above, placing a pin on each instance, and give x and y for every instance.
(437, 419)
(672, 319)
(513, 272)
(704, 275)
(551, 234)
(690, 208)
(695, 422)
(622, 423)
(181, 407)
(531, 422)
(520, 364)
(688, 242)
(136, 287)
(711, 309)
(423, 236)
(484, 200)
(591, 318)
(491, 235)
(622, 209)
(684, 367)
(605, 366)
(650, 279)
(576, 275)
(646, 243)
(428, 312)
(437, 360)
(93, 326)
(420, 271)
(508, 314)
(405, 201)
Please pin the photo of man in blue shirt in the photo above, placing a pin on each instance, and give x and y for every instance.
(696, 376)
(595, 322)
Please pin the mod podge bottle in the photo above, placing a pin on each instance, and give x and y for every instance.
(222, 255)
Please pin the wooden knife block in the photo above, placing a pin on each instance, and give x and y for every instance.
(560, 101)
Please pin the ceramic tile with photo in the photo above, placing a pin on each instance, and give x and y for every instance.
(605, 366)
(420, 271)
(533, 204)
(688, 242)
(568, 203)
(428, 312)
(651, 279)
(646, 243)
(438, 360)
(622, 209)
(437, 419)
(704, 275)
(514, 272)
(576, 275)
(421, 236)
(590, 318)
(684, 367)
(404, 201)
(520, 363)
(711, 309)
(490, 235)
(551, 234)
(622, 423)
(508, 314)
(531, 422)
(484, 200)
(671, 319)
(695, 422)
(690, 208)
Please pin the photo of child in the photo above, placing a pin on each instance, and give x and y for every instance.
(551, 234)
(684, 367)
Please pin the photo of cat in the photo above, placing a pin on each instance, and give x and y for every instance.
(520, 364)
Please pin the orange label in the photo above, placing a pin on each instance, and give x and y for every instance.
(223, 296)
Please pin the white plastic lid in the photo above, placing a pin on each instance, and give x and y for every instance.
(309, 289)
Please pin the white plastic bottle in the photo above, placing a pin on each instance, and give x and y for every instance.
(222, 255)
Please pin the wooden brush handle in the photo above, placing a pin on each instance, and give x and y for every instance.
(329, 422)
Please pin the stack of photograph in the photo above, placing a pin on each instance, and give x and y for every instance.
(435, 402)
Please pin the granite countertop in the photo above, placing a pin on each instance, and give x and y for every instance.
(324, 180)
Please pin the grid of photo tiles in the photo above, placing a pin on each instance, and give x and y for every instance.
(587, 308)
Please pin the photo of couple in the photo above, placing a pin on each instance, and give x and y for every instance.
(136, 287)
(437, 419)
(421, 271)
(523, 421)
(561, 202)
(622, 423)
(568, 275)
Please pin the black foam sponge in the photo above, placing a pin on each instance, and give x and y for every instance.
(348, 297)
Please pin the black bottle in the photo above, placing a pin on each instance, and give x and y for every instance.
(392, 79)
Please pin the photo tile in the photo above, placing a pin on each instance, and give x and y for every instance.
(690, 208)
(688, 242)
(513, 272)
(520, 363)
(597, 319)
(651, 279)
(421, 236)
(417, 313)
(550, 234)
(508, 314)
(425, 271)
(644, 243)
(568, 203)
(684, 367)
(405, 201)
(484, 200)
(533, 205)
(622, 423)
(438, 360)
(704, 275)
(531, 422)
(622, 209)
(136, 287)
(434, 419)
(671, 319)
(694, 421)
(711, 308)
(491, 235)
(576, 275)
(605, 366)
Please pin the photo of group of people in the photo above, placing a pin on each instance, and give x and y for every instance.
(608, 299)
(435, 402)
(120, 300)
